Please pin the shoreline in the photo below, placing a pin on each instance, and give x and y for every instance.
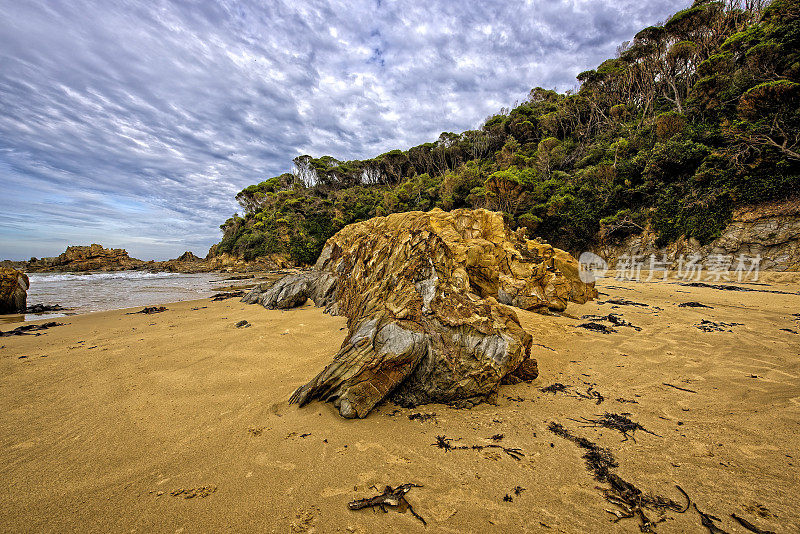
(109, 415)
(79, 293)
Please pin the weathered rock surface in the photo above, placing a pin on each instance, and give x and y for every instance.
(424, 296)
(13, 291)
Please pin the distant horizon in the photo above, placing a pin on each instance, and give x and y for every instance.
(135, 126)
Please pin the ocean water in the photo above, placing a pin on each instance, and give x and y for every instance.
(101, 291)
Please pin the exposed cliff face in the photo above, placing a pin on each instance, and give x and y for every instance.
(13, 291)
(770, 230)
(428, 299)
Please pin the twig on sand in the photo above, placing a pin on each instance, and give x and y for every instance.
(680, 388)
(445, 443)
(389, 497)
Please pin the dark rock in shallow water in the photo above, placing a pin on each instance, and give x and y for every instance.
(44, 308)
(420, 292)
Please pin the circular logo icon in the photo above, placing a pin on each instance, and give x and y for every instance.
(592, 267)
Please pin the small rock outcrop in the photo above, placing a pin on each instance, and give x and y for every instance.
(13, 291)
(428, 301)
(188, 256)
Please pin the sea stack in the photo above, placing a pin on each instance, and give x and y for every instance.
(429, 300)
(13, 290)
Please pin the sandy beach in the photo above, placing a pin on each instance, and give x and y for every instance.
(110, 422)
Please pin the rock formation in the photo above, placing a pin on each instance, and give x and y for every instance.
(83, 258)
(427, 297)
(770, 230)
(13, 291)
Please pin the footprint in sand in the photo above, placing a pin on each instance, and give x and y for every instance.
(305, 519)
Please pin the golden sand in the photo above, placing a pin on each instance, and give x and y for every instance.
(103, 419)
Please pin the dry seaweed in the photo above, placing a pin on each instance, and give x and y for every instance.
(617, 422)
(596, 327)
(444, 442)
(710, 326)
(591, 394)
(707, 521)
(390, 497)
(750, 526)
(694, 304)
(736, 288)
(30, 329)
(149, 310)
(624, 302)
(227, 295)
(630, 500)
(612, 318)
(554, 388)
(422, 417)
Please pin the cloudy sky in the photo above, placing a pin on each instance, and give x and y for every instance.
(134, 124)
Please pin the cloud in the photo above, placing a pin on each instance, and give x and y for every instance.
(134, 124)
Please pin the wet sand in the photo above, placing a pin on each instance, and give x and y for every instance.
(102, 419)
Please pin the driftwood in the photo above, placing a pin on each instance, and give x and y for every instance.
(389, 497)
(29, 329)
(444, 443)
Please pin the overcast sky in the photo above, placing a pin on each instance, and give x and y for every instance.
(134, 124)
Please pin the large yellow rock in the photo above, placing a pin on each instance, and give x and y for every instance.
(428, 299)
(13, 290)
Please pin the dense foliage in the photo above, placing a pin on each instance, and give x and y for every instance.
(691, 119)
